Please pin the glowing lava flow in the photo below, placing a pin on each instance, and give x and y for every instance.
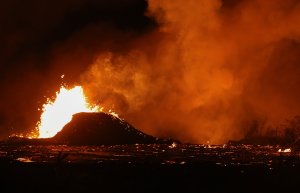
(56, 114)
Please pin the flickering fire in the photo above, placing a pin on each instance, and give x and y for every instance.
(56, 114)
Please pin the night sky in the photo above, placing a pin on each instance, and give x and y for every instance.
(195, 70)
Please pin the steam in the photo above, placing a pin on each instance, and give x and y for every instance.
(207, 72)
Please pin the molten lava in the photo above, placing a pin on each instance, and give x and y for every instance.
(56, 114)
(288, 150)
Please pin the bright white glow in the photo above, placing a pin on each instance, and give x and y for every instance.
(58, 113)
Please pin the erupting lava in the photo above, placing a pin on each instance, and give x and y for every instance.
(56, 114)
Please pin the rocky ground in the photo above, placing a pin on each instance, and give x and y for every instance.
(148, 168)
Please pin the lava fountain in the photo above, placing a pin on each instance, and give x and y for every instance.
(56, 114)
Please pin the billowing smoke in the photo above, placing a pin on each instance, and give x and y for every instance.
(209, 70)
(196, 70)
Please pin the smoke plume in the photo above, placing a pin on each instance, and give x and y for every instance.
(207, 71)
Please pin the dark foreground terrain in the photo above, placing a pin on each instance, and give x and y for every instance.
(148, 168)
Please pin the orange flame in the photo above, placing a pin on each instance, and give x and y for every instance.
(56, 114)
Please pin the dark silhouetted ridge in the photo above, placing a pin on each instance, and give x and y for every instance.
(102, 129)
